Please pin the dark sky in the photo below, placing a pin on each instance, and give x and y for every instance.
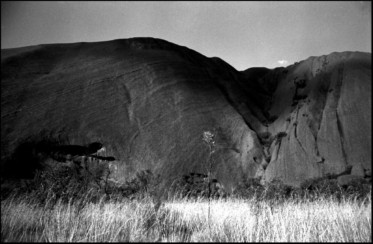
(245, 34)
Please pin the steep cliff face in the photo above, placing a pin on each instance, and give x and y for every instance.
(322, 118)
(149, 101)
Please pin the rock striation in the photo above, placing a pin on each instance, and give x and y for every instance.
(148, 101)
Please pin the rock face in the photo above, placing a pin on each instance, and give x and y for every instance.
(149, 101)
(345, 180)
(323, 105)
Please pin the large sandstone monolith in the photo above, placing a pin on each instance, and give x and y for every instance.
(148, 101)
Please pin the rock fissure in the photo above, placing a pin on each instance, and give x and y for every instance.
(319, 120)
(278, 149)
(340, 131)
(233, 104)
(339, 124)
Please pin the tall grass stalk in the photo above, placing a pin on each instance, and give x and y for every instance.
(209, 138)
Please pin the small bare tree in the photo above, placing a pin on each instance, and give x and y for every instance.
(209, 139)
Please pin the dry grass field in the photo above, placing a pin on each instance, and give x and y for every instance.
(182, 220)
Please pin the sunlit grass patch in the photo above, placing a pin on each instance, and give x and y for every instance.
(187, 221)
(243, 220)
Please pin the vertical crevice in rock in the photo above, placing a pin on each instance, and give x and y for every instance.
(324, 94)
(341, 136)
(324, 80)
(295, 130)
(339, 124)
(224, 91)
(316, 147)
(278, 148)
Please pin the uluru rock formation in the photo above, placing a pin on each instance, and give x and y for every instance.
(148, 101)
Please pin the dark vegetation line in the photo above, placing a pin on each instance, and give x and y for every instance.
(92, 183)
(76, 182)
